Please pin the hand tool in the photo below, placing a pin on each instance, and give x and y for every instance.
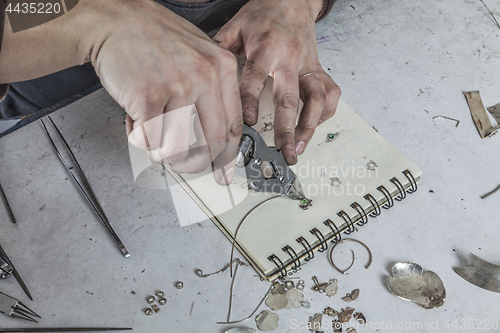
(14, 308)
(79, 178)
(252, 153)
(7, 206)
(63, 329)
(8, 268)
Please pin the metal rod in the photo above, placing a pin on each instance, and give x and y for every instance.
(7, 206)
(458, 121)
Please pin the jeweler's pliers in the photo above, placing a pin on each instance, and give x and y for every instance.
(14, 308)
(253, 152)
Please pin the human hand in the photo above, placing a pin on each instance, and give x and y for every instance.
(278, 37)
(157, 65)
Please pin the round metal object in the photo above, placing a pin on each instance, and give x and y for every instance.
(199, 272)
(258, 161)
(162, 301)
(281, 179)
(179, 285)
(150, 299)
(160, 294)
(289, 284)
(155, 308)
(148, 312)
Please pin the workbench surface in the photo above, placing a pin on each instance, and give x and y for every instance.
(399, 63)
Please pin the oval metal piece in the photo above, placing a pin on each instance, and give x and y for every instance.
(411, 283)
(276, 301)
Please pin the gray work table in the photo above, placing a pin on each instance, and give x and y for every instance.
(399, 63)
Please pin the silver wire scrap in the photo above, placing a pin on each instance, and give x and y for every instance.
(76, 173)
(444, 117)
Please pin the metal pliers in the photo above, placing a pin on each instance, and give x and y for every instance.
(253, 153)
(14, 308)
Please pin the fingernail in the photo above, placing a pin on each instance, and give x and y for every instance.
(249, 113)
(290, 152)
(300, 147)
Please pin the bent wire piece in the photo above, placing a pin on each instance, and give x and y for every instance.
(353, 258)
(480, 273)
(14, 308)
(81, 181)
(12, 270)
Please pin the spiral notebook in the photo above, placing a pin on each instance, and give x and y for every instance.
(350, 179)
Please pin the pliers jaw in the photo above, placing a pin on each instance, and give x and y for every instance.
(5, 269)
(14, 308)
(266, 168)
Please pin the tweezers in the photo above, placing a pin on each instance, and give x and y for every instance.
(76, 173)
(14, 308)
(14, 272)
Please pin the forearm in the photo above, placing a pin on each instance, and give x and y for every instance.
(61, 43)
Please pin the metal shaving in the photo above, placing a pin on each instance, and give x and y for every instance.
(345, 315)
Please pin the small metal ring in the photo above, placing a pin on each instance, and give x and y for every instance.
(280, 266)
(309, 251)
(295, 258)
(336, 232)
(413, 183)
(363, 218)
(389, 202)
(307, 74)
(401, 189)
(350, 224)
(322, 240)
(376, 208)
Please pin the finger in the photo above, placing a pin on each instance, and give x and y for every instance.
(253, 81)
(212, 120)
(286, 104)
(176, 132)
(314, 98)
(332, 92)
(224, 164)
(146, 131)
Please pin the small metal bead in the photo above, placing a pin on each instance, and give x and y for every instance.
(160, 294)
(150, 299)
(155, 308)
(148, 312)
(179, 285)
(162, 301)
(199, 272)
(290, 284)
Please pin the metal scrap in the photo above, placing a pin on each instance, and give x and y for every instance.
(345, 315)
(267, 321)
(360, 318)
(353, 295)
(315, 322)
(410, 282)
(479, 115)
(480, 273)
(330, 312)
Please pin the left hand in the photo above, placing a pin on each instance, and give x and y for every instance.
(278, 37)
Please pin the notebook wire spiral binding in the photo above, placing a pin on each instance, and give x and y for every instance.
(350, 224)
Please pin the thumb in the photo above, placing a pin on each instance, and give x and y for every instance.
(229, 38)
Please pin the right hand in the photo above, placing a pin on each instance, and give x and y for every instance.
(152, 62)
